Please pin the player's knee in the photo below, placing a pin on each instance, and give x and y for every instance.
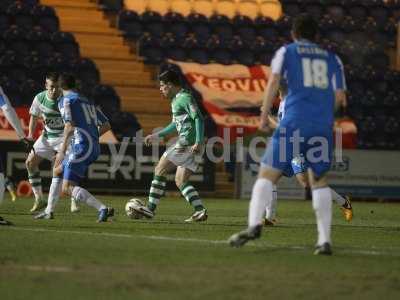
(66, 189)
(179, 181)
(159, 170)
(29, 163)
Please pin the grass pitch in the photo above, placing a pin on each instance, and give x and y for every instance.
(72, 257)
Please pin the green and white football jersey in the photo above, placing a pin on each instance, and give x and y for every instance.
(47, 109)
(184, 113)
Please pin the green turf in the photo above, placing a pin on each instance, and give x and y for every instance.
(72, 257)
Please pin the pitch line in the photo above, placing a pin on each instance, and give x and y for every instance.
(261, 244)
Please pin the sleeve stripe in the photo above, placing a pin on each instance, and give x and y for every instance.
(278, 60)
(67, 110)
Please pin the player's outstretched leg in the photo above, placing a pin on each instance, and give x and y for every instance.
(345, 205)
(322, 204)
(270, 212)
(74, 206)
(82, 195)
(11, 189)
(192, 197)
(54, 196)
(261, 196)
(2, 188)
(157, 190)
(35, 180)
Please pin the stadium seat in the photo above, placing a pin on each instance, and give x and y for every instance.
(183, 7)
(271, 9)
(204, 7)
(222, 56)
(151, 16)
(245, 57)
(29, 89)
(292, 8)
(130, 23)
(35, 65)
(380, 14)
(176, 53)
(138, 6)
(248, 8)
(46, 17)
(21, 13)
(155, 28)
(40, 42)
(87, 71)
(336, 12)
(124, 124)
(226, 8)
(240, 21)
(158, 6)
(12, 90)
(358, 12)
(314, 8)
(199, 56)
(111, 5)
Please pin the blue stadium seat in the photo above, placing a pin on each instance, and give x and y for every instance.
(87, 71)
(178, 29)
(12, 90)
(173, 17)
(106, 97)
(29, 89)
(240, 21)
(358, 12)
(222, 56)
(130, 23)
(314, 8)
(176, 53)
(40, 41)
(21, 13)
(199, 56)
(336, 12)
(151, 17)
(46, 17)
(245, 57)
(292, 8)
(223, 31)
(111, 5)
(201, 31)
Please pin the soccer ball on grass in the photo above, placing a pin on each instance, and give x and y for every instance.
(130, 207)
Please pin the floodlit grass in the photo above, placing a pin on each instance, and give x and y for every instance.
(73, 257)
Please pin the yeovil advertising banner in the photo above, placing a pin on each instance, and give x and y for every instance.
(225, 88)
(360, 173)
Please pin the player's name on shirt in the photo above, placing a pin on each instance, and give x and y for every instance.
(312, 50)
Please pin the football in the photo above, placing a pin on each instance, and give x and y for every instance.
(130, 208)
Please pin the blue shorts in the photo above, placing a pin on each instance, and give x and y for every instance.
(77, 162)
(315, 145)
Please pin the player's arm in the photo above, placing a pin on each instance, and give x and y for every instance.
(68, 132)
(339, 84)
(34, 113)
(104, 128)
(192, 109)
(103, 122)
(11, 115)
(272, 122)
(167, 130)
(272, 86)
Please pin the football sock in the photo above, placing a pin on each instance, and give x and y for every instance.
(337, 198)
(36, 182)
(54, 194)
(82, 195)
(10, 188)
(270, 212)
(157, 190)
(2, 187)
(308, 193)
(322, 204)
(191, 196)
(261, 197)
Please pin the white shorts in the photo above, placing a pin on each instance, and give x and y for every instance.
(182, 157)
(46, 148)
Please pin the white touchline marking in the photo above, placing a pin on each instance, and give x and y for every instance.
(261, 244)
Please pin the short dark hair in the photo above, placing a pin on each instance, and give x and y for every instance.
(170, 76)
(53, 76)
(67, 81)
(304, 26)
